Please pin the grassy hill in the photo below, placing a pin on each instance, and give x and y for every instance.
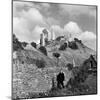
(28, 78)
(34, 73)
(67, 55)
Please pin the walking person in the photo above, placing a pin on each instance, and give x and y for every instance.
(60, 80)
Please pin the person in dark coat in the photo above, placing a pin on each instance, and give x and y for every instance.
(60, 80)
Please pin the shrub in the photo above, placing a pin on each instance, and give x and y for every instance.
(63, 47)
(33, 44)
(57, 55)
(79, 74)
(24, 44)
(16, 43)
(77, 40)
(70, 66)
(75, 71)
(43, 50)
(72, 45)
(81, 77)
(78, 77)
(40, 63)
(59, 38)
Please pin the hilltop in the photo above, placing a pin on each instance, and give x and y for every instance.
(34, 72)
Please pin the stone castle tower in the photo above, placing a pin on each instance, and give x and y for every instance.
(52, 36)
(43, 37)
(46, 36)
(42, 42)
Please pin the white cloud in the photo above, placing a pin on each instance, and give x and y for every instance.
(25, 22)
(28, 22)
(89, 39)
(34, 17)
(78, 9)
(36, 33)
(90, 43)
(20, 29)
(23, 32)
(51, 21)
(57, 29)
(72, 29)
(32, 14)
(19, 6)
(87, 35)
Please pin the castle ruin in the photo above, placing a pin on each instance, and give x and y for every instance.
(46, 36)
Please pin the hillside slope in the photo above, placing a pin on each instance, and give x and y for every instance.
(68, 55)
(28, 78)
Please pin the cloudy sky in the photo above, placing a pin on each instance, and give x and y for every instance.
(29, 18)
